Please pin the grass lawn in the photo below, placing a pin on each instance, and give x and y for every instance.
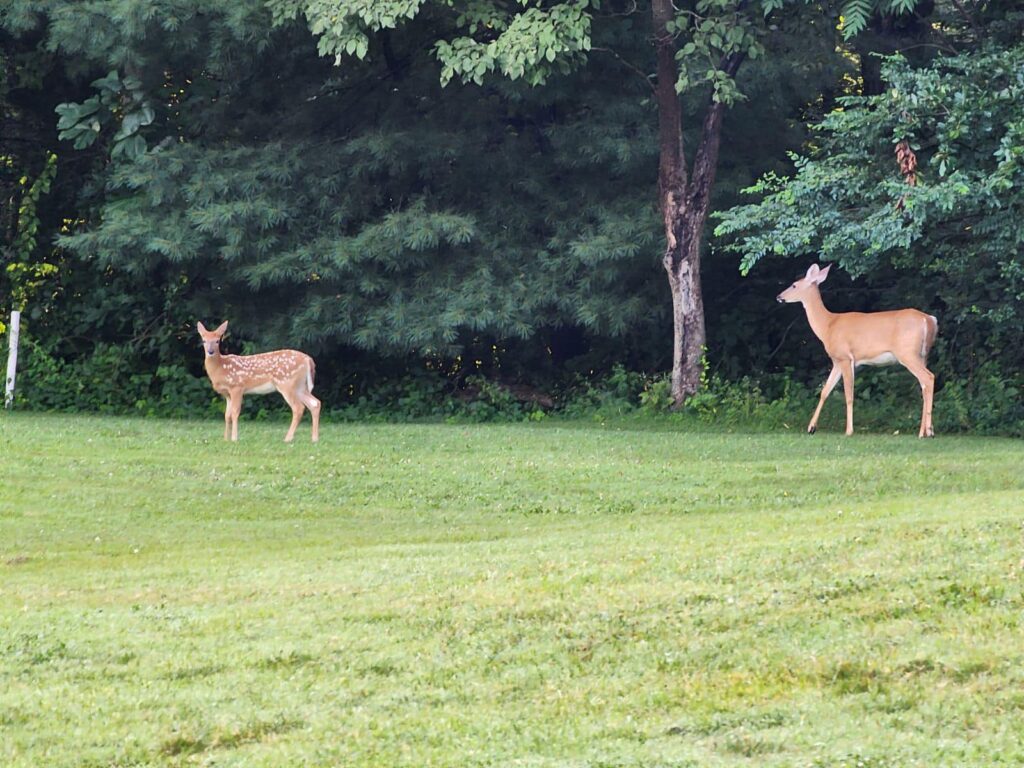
(555, 594)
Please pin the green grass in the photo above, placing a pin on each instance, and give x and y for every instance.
(522, 595)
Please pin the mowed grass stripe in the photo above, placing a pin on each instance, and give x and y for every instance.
(555, 594)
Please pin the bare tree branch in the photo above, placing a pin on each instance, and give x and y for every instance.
(630, 66)
(968, 17)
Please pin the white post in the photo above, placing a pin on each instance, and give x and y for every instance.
(12, 359)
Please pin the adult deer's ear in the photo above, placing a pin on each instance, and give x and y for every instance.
(201, 328)
(822, 274)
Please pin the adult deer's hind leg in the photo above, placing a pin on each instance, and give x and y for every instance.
(927, 381)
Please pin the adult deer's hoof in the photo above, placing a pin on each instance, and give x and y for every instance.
(812, 429)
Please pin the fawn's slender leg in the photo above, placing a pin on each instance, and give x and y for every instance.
(314, 411)
(295, 403)
(227, 417)
(236, 402)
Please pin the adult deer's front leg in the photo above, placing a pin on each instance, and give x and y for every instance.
(830, 384)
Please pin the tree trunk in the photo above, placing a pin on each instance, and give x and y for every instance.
(684, 201)
(688, 332)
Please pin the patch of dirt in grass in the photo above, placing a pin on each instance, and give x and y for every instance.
(727, 721)
(227, 737)
(289, 660)
(192, 673)
(751, 745)
(32, 649)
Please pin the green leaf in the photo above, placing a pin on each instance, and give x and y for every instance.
(110, 82)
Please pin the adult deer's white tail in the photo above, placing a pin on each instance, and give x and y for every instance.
(930, 335)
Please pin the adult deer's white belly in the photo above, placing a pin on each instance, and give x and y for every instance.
(262, 389)
(886, 358)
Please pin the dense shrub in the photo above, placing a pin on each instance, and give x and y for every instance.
(110, 380)
(114, 379)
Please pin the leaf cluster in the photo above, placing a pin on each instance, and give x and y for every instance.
(120, 100)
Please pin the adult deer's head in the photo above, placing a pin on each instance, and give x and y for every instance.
(799, 290)
(211, 339)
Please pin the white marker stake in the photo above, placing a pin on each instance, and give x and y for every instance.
(12, 359)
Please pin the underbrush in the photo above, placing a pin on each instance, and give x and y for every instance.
(887, 400)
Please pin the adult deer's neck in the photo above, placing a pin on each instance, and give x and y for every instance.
(817, 315)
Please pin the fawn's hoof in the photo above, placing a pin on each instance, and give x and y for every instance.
(812, 429)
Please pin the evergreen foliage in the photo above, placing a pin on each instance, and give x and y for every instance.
(400, 237)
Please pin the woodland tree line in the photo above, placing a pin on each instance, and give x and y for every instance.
(510, 199)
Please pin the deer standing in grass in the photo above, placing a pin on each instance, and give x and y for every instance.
(288, 371)
(902, 336)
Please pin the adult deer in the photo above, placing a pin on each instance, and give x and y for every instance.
(902, 336)
(234, 376)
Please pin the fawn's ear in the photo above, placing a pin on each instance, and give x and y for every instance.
(221, 328)
(201, 328)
